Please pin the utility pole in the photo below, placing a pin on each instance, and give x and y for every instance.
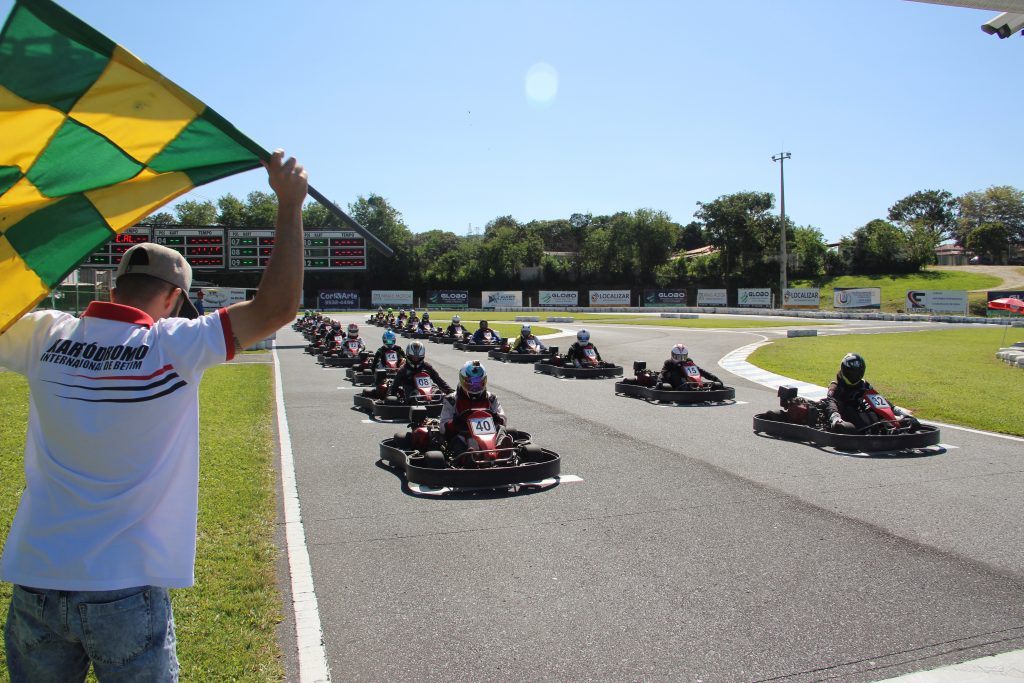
(781, 158)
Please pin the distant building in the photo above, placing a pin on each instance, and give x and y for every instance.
(950, 255)
(700, 251)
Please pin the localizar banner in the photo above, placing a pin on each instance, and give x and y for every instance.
(802, 298)
(610, 297)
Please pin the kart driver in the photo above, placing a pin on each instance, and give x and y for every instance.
(472, 393)
(454, 327)
(672, 371)
(412, 321)
(353, 335)
(415, 363)
(390, 345)
(425, 325)
(842, 404)
(522, 342)
(579, 351)
(480, 336)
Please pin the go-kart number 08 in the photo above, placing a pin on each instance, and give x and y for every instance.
(423, 382)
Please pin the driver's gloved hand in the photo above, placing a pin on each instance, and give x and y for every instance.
(838, 424)
(717, 385)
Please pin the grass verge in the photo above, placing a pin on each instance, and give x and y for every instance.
(226, 624)
(894, 287)
(950, 376)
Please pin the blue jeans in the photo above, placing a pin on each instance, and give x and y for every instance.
(127, 634)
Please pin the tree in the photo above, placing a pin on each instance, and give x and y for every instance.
(653, 237)
(935, 210)
(159, 218)
(260, 210)
(882, 247)
(998, 204)
(316, 215)
(988, 239)
(378, 216)
(810, 249)
(231, 211)
(190, 212)
(740, 225)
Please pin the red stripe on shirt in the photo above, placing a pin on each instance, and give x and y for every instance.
(229, 337)
(158, 372)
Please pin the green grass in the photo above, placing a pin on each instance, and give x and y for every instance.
(894, 287)
(950, 376)
(226, 624)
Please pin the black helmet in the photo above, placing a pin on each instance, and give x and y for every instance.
(851, 370)
(483, 324)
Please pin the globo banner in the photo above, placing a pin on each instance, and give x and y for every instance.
(756, 297)
(664, 297)
(558, 298)
(448, 298)
(337, 299)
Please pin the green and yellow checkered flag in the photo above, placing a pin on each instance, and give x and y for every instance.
(91, 141)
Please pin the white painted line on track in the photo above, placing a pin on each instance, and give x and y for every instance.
(736, 362)
(308, 632)
(1004, 668)
(347, 388)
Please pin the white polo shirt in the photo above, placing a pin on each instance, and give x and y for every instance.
(112, 451)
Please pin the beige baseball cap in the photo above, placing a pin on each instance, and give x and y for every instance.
(163, 263)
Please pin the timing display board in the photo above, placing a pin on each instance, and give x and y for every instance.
(203, 248)
(235, 249)
(323, 249)
(109, 255)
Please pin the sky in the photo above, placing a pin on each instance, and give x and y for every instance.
(461, 111)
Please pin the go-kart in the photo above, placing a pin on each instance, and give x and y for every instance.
(428, 331)
(442, 337)
(878, 427)
(364, 373)
(349, 352)
(645, 385)
(467, 344)
(426, 394)
(484, 454)
(535, 353)
(589, 368)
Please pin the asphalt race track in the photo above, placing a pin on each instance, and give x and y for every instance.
(692, 549)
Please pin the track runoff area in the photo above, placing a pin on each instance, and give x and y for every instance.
(685, 548)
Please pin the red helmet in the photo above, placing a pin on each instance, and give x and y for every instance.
(353, 331)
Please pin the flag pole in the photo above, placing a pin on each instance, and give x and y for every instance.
(350, 222)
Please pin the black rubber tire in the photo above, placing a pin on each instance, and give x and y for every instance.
(434, 460)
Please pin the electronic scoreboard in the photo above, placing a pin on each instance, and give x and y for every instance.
(322, 249)
(236, 249)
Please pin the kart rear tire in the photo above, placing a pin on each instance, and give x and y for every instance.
(531, 452)
(434, 460)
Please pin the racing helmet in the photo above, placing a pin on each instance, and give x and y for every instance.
(389, 337)
(336, 325)
(456, 320)
(483, 324)
(426, 315)
(851, 369)
(473, 379)
(380, 309)
(401, 311)
(412, 312)
(390, 310)
(526, 330)
(353, 331)
(680, 353)
(415, 352)
(583, 336)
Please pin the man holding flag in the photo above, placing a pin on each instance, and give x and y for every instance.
(107, 520)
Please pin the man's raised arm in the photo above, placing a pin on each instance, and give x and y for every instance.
(280, 290)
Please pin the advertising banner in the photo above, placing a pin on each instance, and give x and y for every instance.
(937, 301)
(664, 297)
(994, 312)
(219, 297)
(501, 299)
(759, 297)
(712, 297)
(448, 298)
(610, 297)
(558, 298)
(337, 299)
(391, 297)
(857, 297)
(802, 298)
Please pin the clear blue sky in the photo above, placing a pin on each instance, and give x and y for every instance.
(658, 104)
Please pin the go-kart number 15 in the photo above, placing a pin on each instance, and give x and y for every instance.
(692, 371)
(483, 425)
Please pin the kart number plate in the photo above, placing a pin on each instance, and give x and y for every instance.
(424, 382)
(532, 343)
(353, 346)
(692, 371)
(483, 425)
(391, 357)
(589, 353)
(878, 401)
(487, 336)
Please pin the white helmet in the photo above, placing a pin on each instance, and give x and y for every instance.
(526, 330)
(456, 320)
(583, 336)
(680, 353)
